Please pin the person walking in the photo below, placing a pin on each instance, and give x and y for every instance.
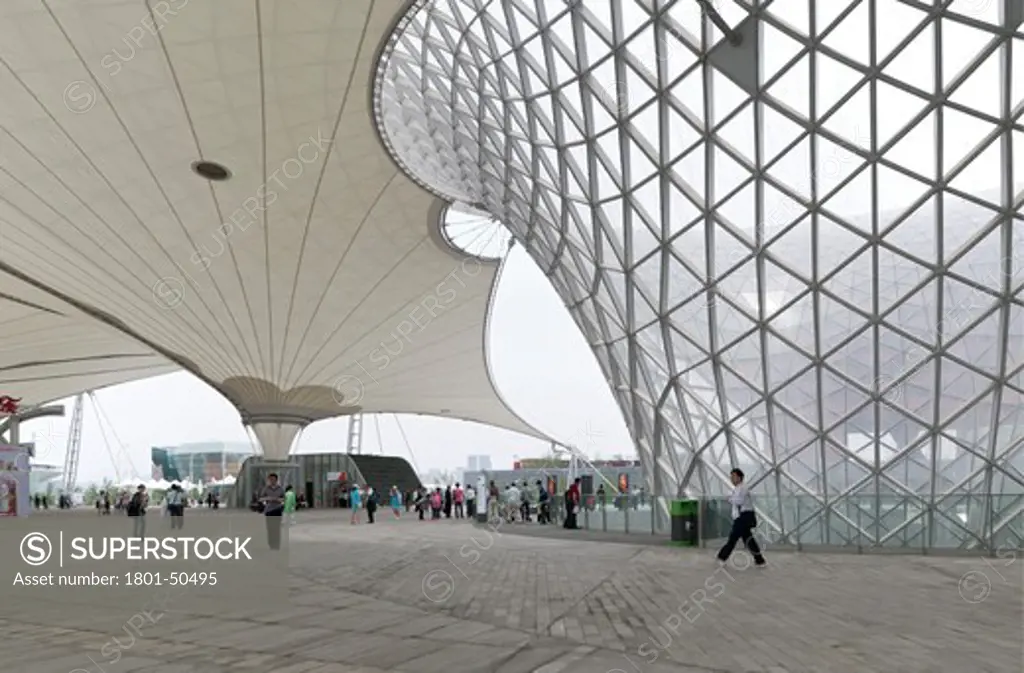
(355, 501)
(137, 510)
(290, 504)
(271, 496)
(176, 507)
(744, 520)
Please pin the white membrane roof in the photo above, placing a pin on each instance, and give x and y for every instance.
(312, 282)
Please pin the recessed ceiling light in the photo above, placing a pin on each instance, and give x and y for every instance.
(211, 171)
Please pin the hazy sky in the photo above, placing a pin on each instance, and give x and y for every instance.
(541, 364)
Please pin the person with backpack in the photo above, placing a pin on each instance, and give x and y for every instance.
(137, 510)
(744, 520)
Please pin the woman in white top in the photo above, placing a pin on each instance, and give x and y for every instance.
(743, 520)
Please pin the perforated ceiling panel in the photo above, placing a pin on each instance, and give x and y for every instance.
(798, 250)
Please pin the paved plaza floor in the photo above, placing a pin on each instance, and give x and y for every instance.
(452, 597)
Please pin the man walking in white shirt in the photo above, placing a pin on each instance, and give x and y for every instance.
(743, 520)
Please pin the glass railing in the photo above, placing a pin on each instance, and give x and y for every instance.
(865, 521)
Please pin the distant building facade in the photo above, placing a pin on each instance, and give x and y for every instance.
(199, 461)
(478, 463)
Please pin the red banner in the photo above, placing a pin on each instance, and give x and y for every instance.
(8, 404)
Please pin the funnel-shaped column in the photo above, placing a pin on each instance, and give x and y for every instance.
(276, 437)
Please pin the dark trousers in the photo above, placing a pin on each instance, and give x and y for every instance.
(524, 511)
(459, 512)
(422, 510)
(471, 508)
(370, 511)
(742, 529)
(543, 513)
(273, 517)
(570, 516)
(177, 513)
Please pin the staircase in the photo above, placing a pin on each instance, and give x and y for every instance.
(383, 472)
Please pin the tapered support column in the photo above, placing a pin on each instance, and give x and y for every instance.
(276, 437)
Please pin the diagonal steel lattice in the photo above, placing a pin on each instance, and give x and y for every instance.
(799, 251)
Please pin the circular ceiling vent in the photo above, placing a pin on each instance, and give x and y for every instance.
(211, 171)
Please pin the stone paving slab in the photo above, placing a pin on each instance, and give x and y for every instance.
(448, 596)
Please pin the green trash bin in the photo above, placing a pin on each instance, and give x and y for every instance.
(685, 528)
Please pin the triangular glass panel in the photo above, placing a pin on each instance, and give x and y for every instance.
(837, 322)
(784, 361)
(685, 354)
(914, 235)
(688, 94)
(834, 81)
(981, 262)
(682, 136)
(791, 90)
(980, 91)
(915, 151)
(683, 284)
(852, 280)
(641, 166)
(777, 50)
(801, 397)
(979, 346)
(970, 43)
(848, 121)
(796, 323)
(794, 247)
(793, 169)
(835, 164)
(960, 387)
(739, 395)
(835, 391)
(914, 64)
(728, 96)
(912, 387)
(739, 210)
(744, 357)
(779, 132)
(644, 312)
(1015, 341)
(728, 175)
(691, 319)
(901, 108)
(849, 202)
(915, 312)
(900, 21)
(690, 246)
(897, 192)
(729, 250)
(740, 134)
(836, 244)
(689, 173)
(962, 306)
(984, 172)
(851, 37)
(962, 134)
(730, 322)
(1011, 421)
